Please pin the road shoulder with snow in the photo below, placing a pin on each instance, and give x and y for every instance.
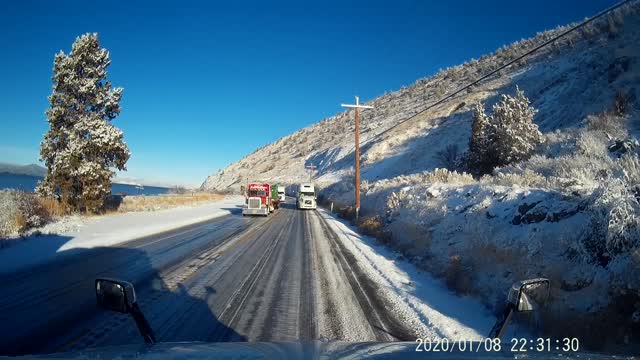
(107, 230)
(420, 302)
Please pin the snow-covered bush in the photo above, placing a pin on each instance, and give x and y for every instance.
(592, 144)
(526, 178)
(81, 145)
(20, 211)
(568, 172)
(506, 136)
(513, 134)
(630, 165)
(569, 159)
(616, 215)
(395, 201)
(445, 176)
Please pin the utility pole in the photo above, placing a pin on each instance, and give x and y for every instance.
(311, 168)
(357, 107)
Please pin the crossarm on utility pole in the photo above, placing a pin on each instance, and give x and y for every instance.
(356, 106)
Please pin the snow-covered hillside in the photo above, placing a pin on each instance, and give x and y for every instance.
(566, 81)
(570, 213)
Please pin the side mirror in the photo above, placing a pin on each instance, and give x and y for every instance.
(115, 295)
(120, 296)
(529, 295)
(524, 296)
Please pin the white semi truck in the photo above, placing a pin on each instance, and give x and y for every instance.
(306, 198)
(281, 193)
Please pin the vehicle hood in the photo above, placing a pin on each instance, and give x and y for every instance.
(293, 350)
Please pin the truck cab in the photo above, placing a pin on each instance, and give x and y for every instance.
(306, 198)
(258, 200)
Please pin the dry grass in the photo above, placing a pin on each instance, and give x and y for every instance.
(373, 226)
(18, 222)
(53, 207)
(456, 276)
(158, 202)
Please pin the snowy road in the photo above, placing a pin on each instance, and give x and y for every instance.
(287, 277)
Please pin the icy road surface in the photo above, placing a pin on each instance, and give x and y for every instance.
(296, 275)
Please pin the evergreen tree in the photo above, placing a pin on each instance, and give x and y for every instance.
(82, 146)
(509, 135)
(480, 142)
(515, 133)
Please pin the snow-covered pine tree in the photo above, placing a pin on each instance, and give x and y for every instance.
(478, 157)
(509, 135)
(82, 146)
(515, 135)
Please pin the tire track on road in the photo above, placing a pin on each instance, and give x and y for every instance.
(151, 288)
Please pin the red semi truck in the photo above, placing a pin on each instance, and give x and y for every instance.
(259, 200)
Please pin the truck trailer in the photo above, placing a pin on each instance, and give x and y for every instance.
(275, 199)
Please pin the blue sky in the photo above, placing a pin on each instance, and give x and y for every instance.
(208, 82)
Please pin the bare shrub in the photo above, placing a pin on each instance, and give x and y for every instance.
(456, 276)
(559, 142)
(621, 103)
(607, 122)
(346, 212)
(449, 156)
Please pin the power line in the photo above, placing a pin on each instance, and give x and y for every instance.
(475, 82)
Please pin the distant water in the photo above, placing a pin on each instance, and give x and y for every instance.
(28, 183)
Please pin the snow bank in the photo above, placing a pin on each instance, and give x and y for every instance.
(108, 230)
